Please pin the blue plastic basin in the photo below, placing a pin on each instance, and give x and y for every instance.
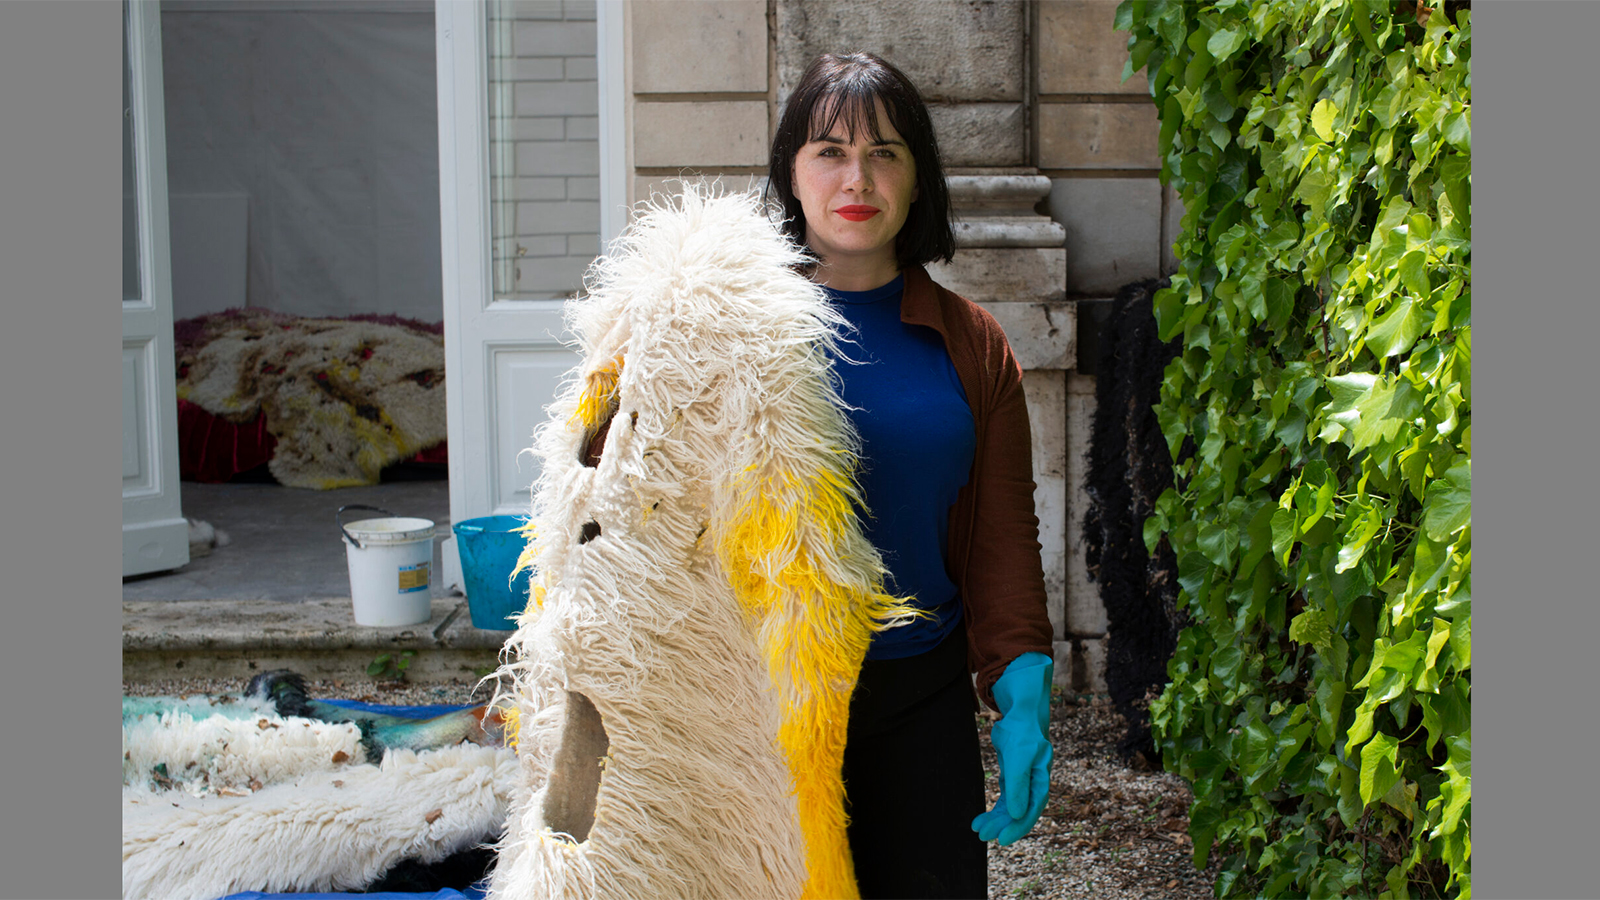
(489, 547)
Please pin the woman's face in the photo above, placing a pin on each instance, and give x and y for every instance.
(856, 195)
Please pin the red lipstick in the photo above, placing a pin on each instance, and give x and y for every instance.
(858, 213)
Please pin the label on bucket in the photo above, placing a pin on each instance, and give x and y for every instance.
(414, 578)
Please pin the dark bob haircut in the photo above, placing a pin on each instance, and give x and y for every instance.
(844, 87)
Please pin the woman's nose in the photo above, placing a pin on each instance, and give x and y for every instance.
(858, 176)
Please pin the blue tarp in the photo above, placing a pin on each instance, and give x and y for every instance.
(409, 712)
(475, 892)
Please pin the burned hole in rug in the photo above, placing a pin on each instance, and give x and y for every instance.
(569, 799)
(591, 530)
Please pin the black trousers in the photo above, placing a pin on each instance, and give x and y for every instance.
(913, 777)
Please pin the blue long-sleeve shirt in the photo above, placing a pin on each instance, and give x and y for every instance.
(917, 442)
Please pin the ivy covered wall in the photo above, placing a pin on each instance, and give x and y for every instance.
(1319, 418)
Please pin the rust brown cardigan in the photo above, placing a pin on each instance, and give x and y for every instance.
(994, 535)
(993, 553)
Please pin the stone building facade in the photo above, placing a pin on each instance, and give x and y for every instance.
(1053, 164)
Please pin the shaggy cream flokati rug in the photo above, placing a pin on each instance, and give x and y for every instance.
(343, 398)
(703, 598)
(288, 804)
(219, 754)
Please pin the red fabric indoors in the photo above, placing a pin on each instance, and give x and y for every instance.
(212, 449)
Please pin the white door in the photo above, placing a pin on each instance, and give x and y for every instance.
(517, 229)
(154, 533)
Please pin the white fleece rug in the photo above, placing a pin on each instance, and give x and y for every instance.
(308, 823)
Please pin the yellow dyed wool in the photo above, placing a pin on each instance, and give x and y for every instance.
(815, 655)
(599, 397)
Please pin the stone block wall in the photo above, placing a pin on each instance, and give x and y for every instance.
(1053, 166)
(1097, 143)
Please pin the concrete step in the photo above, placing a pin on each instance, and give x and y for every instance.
(168, 639)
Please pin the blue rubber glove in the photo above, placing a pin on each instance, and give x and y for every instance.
(1021, 739)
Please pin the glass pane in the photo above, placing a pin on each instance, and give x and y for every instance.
(130, 199)
(544, 147)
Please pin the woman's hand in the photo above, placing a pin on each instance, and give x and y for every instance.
(1021, 740)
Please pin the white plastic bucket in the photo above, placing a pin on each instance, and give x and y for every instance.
(391, 560)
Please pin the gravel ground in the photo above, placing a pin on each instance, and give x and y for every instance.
(1110, 832)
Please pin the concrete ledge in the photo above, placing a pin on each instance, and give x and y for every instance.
(1008, 231)
(427, 667)
(212, 638)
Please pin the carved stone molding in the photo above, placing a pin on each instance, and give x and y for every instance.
(999, 211)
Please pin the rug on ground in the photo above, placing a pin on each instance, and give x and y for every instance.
(218, 804)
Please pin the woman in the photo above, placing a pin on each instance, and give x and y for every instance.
(946, 475)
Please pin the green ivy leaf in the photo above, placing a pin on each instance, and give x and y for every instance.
(1431, 561)
(1438, 638)
(1414, 273)
(1291, 431)
(1314, 188)
(1396, 330)
(1169, 313)
(1458, 130)
(1256, 749)
(1402, 797)
(1283, 534)
(1224, 43)
(1313, 626)
(1378, 772)
(1349, 804)
(1218, 541)
(1203, 823)
(1283, 236)
(1124, 16)
(1321, 504)
(1449, 505)
(1225, 666)
(1348, 391)
(1455, 172)
(1457, 789)
(1258, 538)
(1374, 420)
(1461, 642)
(1330, 706)
(1322, 116)
(1194, 572)
(1280, 302)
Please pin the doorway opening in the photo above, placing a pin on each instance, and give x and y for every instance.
(304, 197)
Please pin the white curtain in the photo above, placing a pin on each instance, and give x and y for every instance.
(326, 119)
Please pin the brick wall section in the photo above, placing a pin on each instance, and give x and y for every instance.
(544, 146)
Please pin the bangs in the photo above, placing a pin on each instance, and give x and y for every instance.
(855, 106)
